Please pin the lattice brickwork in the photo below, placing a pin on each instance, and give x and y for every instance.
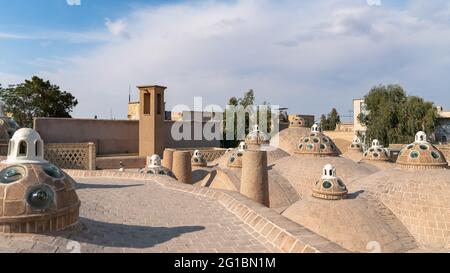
(76, 156)
(209, 154)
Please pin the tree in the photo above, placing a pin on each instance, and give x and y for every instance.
(37, 98)
(394, 117)
(329, 122)
(247, 100)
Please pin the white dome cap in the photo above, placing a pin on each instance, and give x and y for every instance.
(315, 128)
(329, 171)
(242, 146)
(356, 140)
(26, 146)
(155, 161)
(376, 143)
(421, 137)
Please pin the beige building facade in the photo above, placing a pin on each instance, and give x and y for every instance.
(359, 107)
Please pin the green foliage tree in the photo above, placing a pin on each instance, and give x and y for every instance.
(329, 122)
(37, 98)
(394, 117)
(247, 100)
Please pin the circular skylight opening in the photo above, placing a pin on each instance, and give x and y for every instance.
(12, 174)
(435, 155)
(327, 185)
(424, 147)
(40, 197)
(52, 171)
(414, 154)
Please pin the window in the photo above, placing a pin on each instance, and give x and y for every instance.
(38, 148)
(159, 104)
(147, 101)
(22, 148)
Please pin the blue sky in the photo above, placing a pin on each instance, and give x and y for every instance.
(307, 55)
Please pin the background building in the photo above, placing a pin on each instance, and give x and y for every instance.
(443, 129)
(359, 107)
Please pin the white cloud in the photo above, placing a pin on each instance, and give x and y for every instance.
(374, 2)
(117, 28)
(74, 2)
(12, 36)
(69, 37)
(7, 79)
(309, 56)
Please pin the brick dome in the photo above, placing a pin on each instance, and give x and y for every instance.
(36, 196)
(297, 122)
(155, 167)
(198, 160)
(257, 137)
(421, 155)
(317, 144)
(235, 159)
(356, 144)
(376, 153)
(329, 186)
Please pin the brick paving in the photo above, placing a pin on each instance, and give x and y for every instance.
(121, 215)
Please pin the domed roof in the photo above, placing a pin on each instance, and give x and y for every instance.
(302, 171)
(198, 160)
(288, 139)
(26, 146)
(235, 159)
(329, 186)
(43, 199)
(419, 198)
(317, 144)
(257, 137)
(353, 223)
(273, 154)
(297, 122)
(155, 167)
(376, 153)
(421, 155)
(356, 144)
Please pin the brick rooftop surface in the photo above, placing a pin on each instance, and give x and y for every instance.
(125, 215)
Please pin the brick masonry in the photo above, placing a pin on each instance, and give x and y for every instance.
(265, 223)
